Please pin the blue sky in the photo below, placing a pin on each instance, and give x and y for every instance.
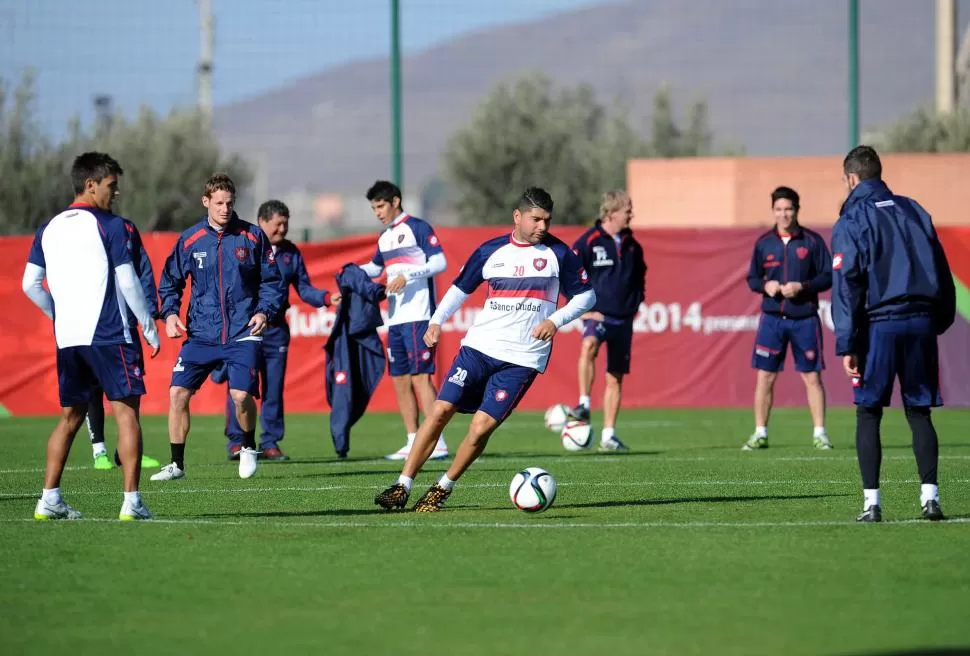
(145, 51)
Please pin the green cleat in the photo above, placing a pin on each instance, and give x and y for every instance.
(148, 461)
(103, 462)
(755, 442)
(821, 443)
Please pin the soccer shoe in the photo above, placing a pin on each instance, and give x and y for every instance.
(821, 442)
(755, 442)
(393, 498)
(103, 462)
(234, 451)
(433, 500)
(613, 444)
(130, 512)
(247, 462)
(169, 472)
(273, 453)
(580, 412)
(400, 454)
(440, 450)
(932, 511)
(146, 461)
(871, 514)
(60, 510)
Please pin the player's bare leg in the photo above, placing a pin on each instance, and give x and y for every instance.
(427, 394)
(586, 367)
(406, 402)
(815, 392)
(246, 416)
(126, 412)
(396, 496)
(179, 422)
(481, 428)
(612, 397)
(764, 390)
(51, 505)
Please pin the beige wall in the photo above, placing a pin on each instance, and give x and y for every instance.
(735, 192)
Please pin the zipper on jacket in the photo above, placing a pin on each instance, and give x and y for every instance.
(222, 290)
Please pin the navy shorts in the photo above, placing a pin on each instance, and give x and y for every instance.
(477, 382)
(776, 332)
(618, 335)
(406, 351)
(83, 371)
(903, 348)
(196, 361)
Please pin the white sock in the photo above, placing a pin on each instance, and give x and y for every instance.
(607, 434)
(411, 437)
(928, 492)
(761, 431)
(871, 498)
(134, 498)
(819, 431)
(446, 483)
(99, 449)
(584, 401)
(51, 496)
(406, 481)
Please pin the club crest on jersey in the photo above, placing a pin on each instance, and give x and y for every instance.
(801, 252)
(501, 395)
(433, 240)
(340, 377)
(837, 261)
(400, 238)
(539, 263)
(770, 257)
(242, 254)
(287, 258)
(583, 276)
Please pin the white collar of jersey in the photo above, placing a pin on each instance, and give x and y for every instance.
(401, 218)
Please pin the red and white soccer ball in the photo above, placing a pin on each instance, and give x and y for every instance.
(576, 435)
(556, 417)
(532, 490)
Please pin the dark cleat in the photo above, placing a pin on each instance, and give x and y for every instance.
(871, 514)
(932, 511)
(273, 453)
(393, 498)
(433, 500)
(580, 412)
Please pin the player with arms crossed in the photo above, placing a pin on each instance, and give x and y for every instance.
(790, 266)
(273, 217)
(614, 259)
(892, 295)
(84, 254)
(236, 292)
(412, 255)
(507, 346)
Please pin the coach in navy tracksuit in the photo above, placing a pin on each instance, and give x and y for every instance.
(236, 292)
(893, 294)
(274, 219)
(613, 259)
(790, 266)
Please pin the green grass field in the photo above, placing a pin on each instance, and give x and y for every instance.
(684, 546)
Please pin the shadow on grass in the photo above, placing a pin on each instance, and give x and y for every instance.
(715, 499)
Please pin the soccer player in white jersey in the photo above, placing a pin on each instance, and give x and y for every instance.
(411, 253)
(507, 346)
(84, 253)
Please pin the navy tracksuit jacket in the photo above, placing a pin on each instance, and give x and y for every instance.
(275, 348)
(355, 353)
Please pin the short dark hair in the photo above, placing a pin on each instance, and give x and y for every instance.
(92, 166)
(534, 197)
(384, 190)
(864, 162)
(786, 193)
(219, 182)
(272, 207)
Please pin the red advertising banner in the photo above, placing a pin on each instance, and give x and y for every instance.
(692, 345)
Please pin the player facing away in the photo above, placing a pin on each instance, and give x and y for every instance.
(614, 261)
(790, 266)
(236, 292)
(507, 346)
(84, 254)
(273, 217)
(892, 295)
(95, 416)
(410, 252)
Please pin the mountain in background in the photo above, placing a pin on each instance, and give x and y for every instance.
(773, 72)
